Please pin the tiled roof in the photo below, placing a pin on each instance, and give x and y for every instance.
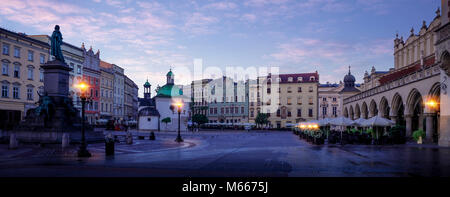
(104, 64)
(403, 72)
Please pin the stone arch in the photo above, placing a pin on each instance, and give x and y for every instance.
(357, 111)
(364, 110)
(415, 108)
(445, 62)
(351, 113)
(373, 110)
(346, 112)
(384, 108)
(398, 109)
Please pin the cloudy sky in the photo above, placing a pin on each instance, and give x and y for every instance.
(147, 37)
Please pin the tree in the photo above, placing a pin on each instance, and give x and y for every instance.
(166, 121)
(262, 119)
(199, 119)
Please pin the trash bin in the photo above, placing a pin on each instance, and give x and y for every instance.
(152, 136)
(109, 146)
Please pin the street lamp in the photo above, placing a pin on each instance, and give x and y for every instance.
(432, 104)
(179, 106)
(82, 86)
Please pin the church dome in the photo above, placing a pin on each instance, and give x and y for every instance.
(349, 78)
(146, 84)
(169, 90)
(170, 73)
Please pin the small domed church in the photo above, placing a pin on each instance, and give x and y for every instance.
(158, 113)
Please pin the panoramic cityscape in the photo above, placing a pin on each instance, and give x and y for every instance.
(107, 88)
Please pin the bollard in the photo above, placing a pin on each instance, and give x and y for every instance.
(129, 138)
(13, 144)
(65, 140)
(152, 136)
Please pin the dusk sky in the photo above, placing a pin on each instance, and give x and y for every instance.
(146, 37)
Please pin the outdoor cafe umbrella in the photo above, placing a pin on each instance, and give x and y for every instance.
(359, 121)
(324, 122)
(377, 121)
(342, 121)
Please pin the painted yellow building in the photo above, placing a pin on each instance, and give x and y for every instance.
(287, 98)
(21, 75)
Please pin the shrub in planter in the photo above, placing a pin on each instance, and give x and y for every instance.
(418, 135)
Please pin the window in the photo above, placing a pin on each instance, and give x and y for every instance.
(312, 78)
(227, 110)
(310, 89)
(5, 68)
(289, 90)
(310, 112)
(17, 52)
(42, 59)
(5, 49)
(278, 113)
(30, 73)
(268, 90)
(290, 79)
(41, 75)
(299, 79)
(16, 92)
(5, 90)
(334, 99)
(71, 65)
(289, 114)
(335, 111)
(96, 93)
(299, 101)
(289, 101)
(102, 106)
(30, 93)
(310, 100)
(299, 112)
(30, 56)
(17, 71)
(78, 69)
(96, 105)
(299, 89)
(252, 113)
(242, 110)
(324, 111)
(324, 99)
(92, 92)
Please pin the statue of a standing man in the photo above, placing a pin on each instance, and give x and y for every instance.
(56, 41)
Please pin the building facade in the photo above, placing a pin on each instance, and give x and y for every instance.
(198, 94)
(130, 99)
(227, 101)
(91, 75)
(106, 89)
(119, 82)
(402, 93)
(21, 79)
(287, 98)
(329, 105)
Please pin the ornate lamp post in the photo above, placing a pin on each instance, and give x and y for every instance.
(179, 106)
(83, 94)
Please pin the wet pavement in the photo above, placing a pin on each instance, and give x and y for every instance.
(228, 154)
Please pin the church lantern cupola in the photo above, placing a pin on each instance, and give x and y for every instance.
(170, 77)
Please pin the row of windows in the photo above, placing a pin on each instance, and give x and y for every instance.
(16, 71)
(325, 99)
(105, 107)
(288, 90)
(16, 92)
(72, 66)
(92, 106)
(17, 53)
(291, 79)
(288, 113)
(324, 111)
(226, 110)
